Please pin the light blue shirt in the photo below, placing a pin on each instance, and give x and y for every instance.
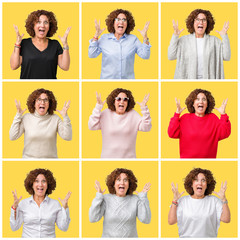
(118, 55)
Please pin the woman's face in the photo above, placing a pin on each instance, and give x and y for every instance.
(200, 25)
(42, 104)
(121, 185)
(199, 186)
(121, 103)
(41, 27)
(120, 25)
(40, 186)
(200, 104)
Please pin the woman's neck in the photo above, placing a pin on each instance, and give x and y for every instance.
(38, 199)
(197, 197)
(118, 36)
(39, 40)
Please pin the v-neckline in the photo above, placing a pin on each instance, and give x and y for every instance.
(39, 49)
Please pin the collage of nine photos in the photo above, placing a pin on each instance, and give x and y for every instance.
(119, 119)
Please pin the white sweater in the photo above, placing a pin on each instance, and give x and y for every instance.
(184, 49)
(40, 133)
(120, 213)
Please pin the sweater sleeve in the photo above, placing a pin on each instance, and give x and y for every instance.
(145, 123)
(143, 211)
(94, 50)
(63, 219)
(65, 128)
(174, 126)
(224, 127)
(173, 47)
(97, 209)
(94, 119)
(16, 223)
(143, 50)
(17, 128)
(226, 48)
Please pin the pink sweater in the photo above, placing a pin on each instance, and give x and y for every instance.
(199, 136)
(119, 132)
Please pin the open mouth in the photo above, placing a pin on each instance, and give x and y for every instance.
(200, 27)
(199, 188)
(121, 188)
(200, 107)
(42, 107)
(41, 30)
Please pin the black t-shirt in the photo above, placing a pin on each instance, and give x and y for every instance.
(38, 64)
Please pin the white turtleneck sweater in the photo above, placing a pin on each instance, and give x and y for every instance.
(40, 133)
(120, 213)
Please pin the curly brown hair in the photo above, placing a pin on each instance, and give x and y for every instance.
(111, 178)
(193, 174)
(111, 18)
(35, 94)
(31, 177)
(33, 18)
(191, 18)
(193, 95)
(111, 99)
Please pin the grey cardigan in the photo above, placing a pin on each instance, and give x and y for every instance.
(184, 49)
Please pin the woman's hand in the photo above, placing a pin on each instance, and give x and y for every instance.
(221, 193)
(144, 31)
(146, 188)
(65, 200)
(64, 38)
(222, 108)
(177, 32)
(144, 101)
(16, 199)
(176, 193)
(98, 187)
(65, 108)
(19, 37)
(18, 106)
(98, 29)
(225, 29)
(179, 109)
(99, 100)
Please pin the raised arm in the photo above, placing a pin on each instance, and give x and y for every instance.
(172, 215)
(64, 59)
(145, 124)
(16, 59)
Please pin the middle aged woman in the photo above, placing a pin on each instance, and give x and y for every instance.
(119, 123)
(39, 213)
(119, 47)
(199, 55)
(39, 56)
(200, 130)
(121, 207)
(199, 214)
(41, 125)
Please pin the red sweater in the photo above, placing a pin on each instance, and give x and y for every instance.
(199, 136)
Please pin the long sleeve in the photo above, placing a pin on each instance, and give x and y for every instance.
(143, 50)
(145, 124)
(226, 48)
(174, 126)
(143, 211)
(16, 223)
(224, 127)
(173, 47)
(63, 219)
(65, 128)
(17, 127)
(94, 50)
(94, 119)
(97, 208)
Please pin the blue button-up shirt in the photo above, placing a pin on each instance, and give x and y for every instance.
(118, 55)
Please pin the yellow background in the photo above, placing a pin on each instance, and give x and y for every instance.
(180, 11)
(144, 171)
(176, 172)
(67, 178)
(63, 91)
(67, 15)
(147, 142)
(142, 12)
(227, 148)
